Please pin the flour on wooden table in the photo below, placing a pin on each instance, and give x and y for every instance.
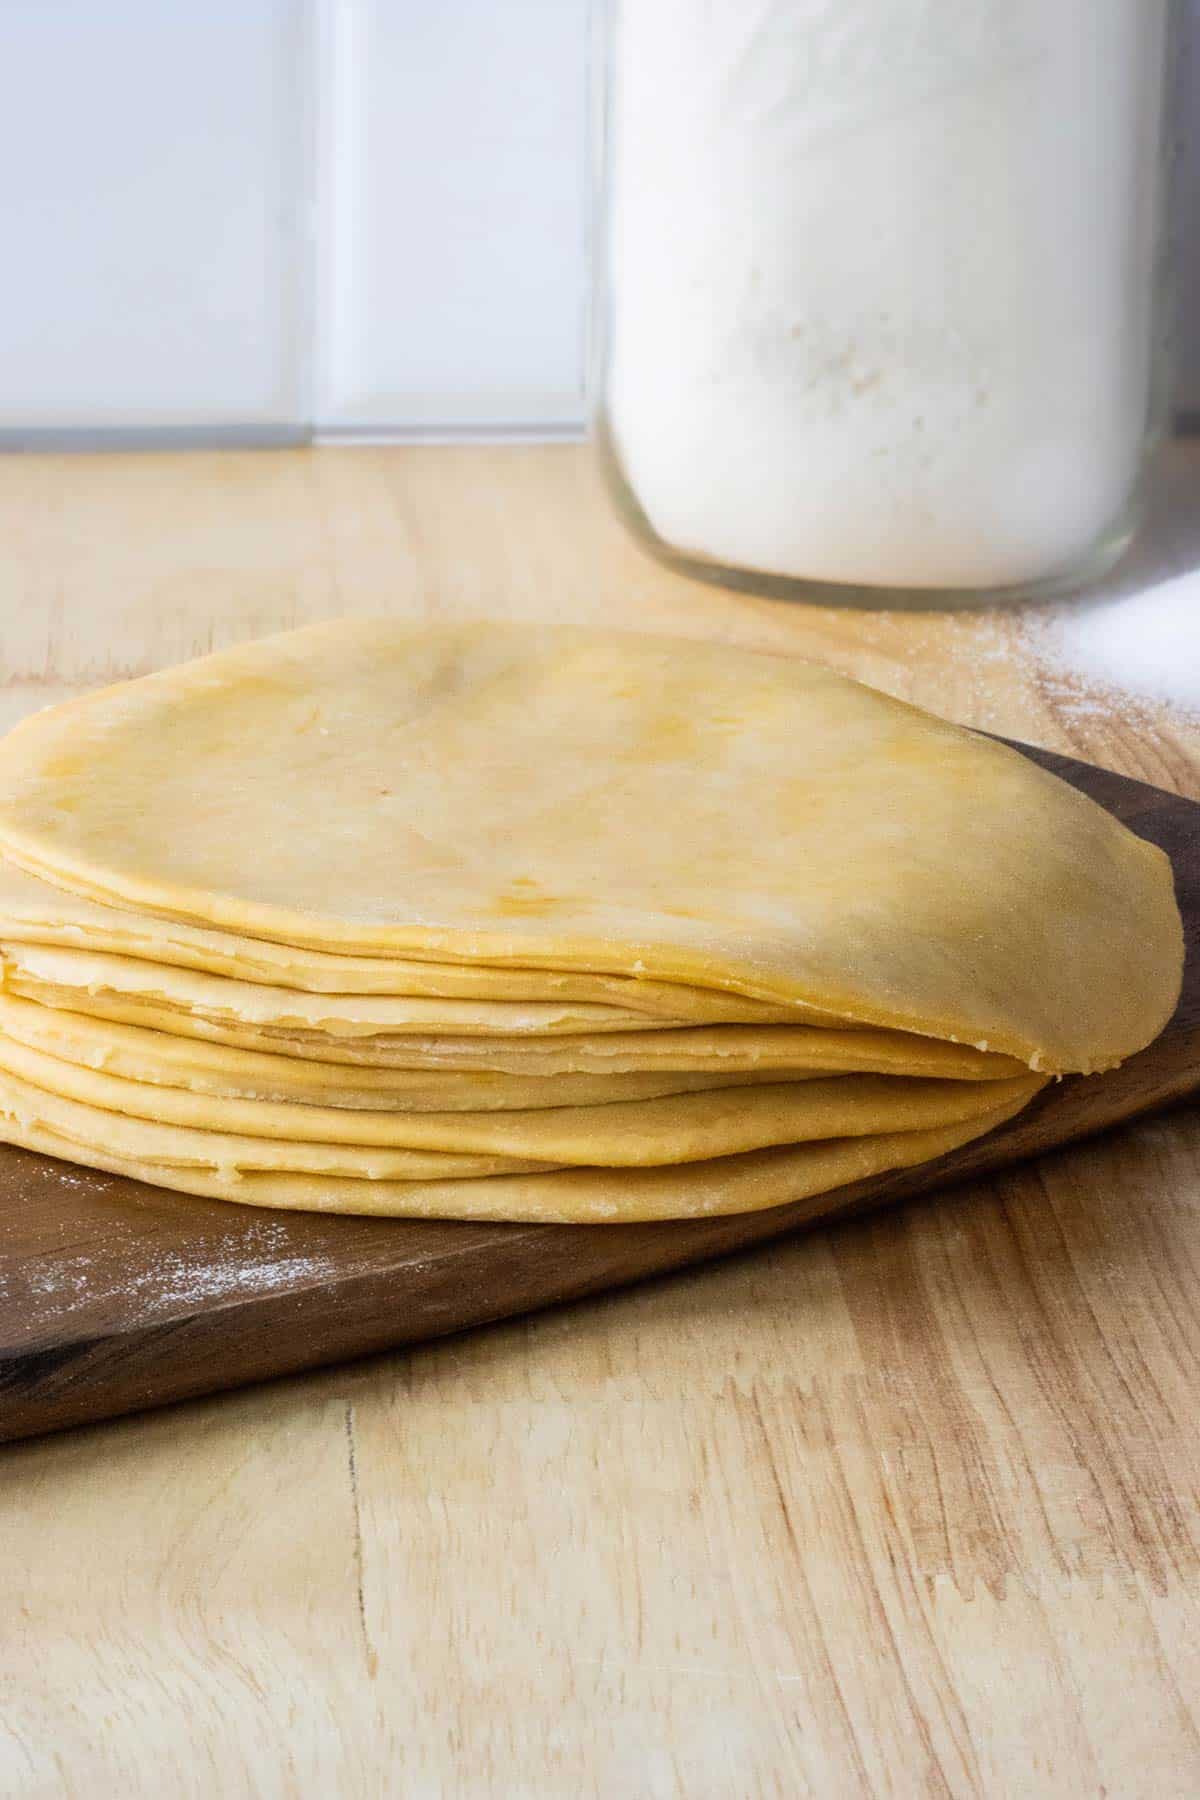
(1146, 645)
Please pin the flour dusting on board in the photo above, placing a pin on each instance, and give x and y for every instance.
(176, 1280)
(253, 1260)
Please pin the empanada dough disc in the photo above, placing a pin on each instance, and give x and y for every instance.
(588, 801)
(167, 1060)
(72, 976)
(729, 1184)
(624, 1134)
(695, 1049)
(177, 1148)
(35, 912)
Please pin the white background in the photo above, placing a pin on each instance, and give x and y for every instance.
(243, 216)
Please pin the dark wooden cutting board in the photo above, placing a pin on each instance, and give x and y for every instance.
(115, 1296)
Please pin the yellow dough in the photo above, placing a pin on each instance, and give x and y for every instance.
(545, 924)
(166, 1060)
(625, 1134)
(165, 1147)
(35, 912)
(729, 1184)
(67, 977)
(697, 1049)
(617, 805)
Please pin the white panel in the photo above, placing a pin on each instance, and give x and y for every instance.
(1188, 224)
(153, 166)
(452, 264)
(154, 204)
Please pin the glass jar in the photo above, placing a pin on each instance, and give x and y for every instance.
(879, 314)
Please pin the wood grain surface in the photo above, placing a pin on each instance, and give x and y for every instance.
(907, 1505)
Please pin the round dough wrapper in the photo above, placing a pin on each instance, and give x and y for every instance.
(35, 912)
(176, 1149)
(631, 1134)
(167, 1060)
(586, 801)
(731, 1184)
(65, 977)
(699, 1049)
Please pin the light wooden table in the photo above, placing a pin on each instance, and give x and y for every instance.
(907, 1507)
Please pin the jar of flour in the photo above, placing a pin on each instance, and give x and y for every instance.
(880, 295)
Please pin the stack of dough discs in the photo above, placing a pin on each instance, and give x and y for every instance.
(547, 924)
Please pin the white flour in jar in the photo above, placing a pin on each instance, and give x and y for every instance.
(881, 283)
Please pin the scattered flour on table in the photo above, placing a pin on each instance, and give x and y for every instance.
(1144, 645)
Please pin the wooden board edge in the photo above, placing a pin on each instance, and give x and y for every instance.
(53, 1388)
